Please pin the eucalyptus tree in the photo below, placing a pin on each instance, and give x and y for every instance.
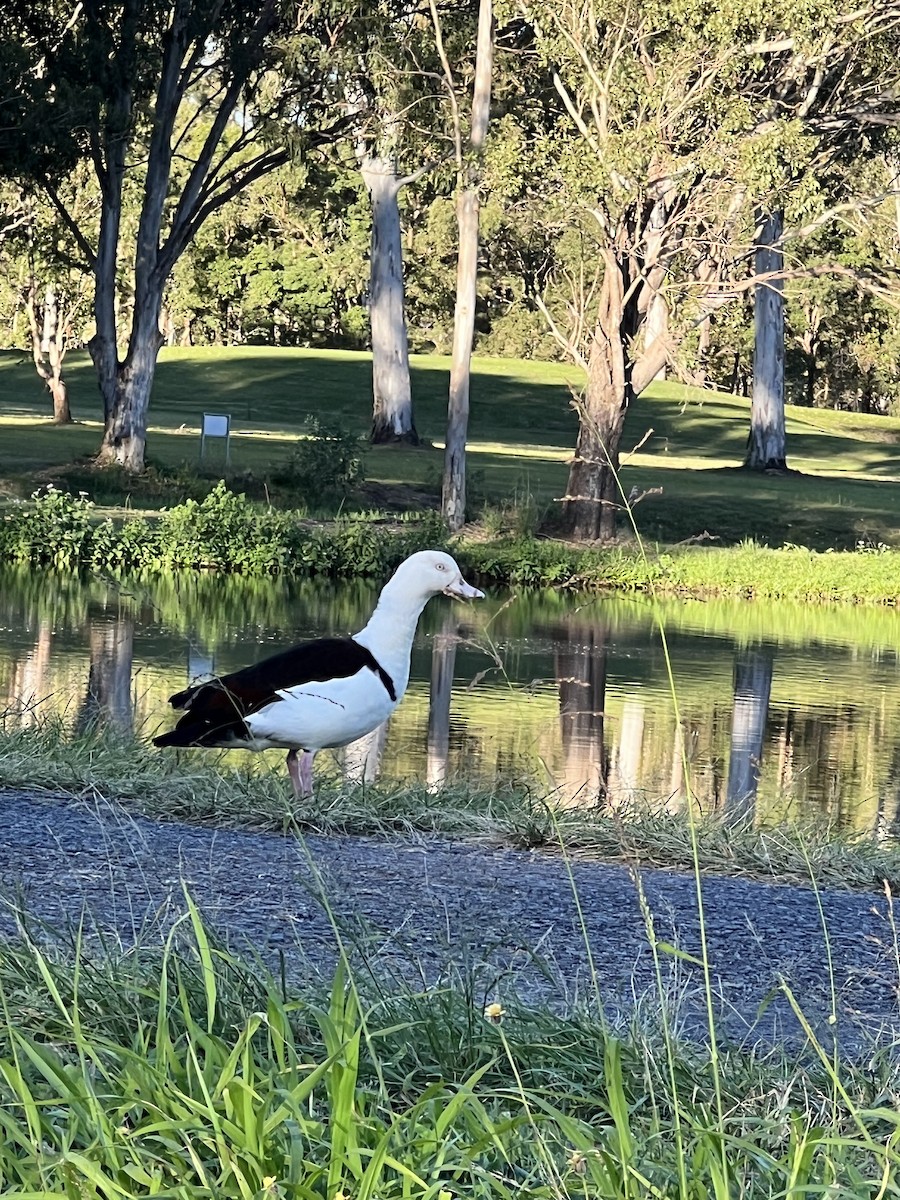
(453, 494)
(123, 84)
(388, 96)
(670, 104)
(827, 90)
(404, 98)
(55, 291)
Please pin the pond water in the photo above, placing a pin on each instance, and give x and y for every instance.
(783, 711)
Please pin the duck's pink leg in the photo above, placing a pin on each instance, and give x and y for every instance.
(306, 772)
(300, 771)
(293, 767)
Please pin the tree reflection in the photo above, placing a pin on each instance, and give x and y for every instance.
(28, 682)
(624, 783)
(361, 760)
(752, 688)
(443, 665)
(108, 701)
(581, 678)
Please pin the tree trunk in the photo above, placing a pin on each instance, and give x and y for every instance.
(766, 447)
(704, 343)
(453, 502)
(652, 304)
(656, 327)
(453, 499)
(811, 380)
(48, 347)
(125, 433)
(59, 391)
(392, 413)
(752, 687)
(809, 345)
(591, 500)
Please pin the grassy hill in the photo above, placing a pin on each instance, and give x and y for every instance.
(847, 486)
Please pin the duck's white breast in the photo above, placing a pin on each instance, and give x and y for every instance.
(317, 715)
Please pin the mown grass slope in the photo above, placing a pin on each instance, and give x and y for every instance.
(690, 443)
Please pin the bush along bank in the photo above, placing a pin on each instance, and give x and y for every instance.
(227, 532)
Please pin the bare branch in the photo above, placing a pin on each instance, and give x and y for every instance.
(448, 83)
(90, 256)
(568, 344)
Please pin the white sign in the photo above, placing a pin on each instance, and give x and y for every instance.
(216, 425)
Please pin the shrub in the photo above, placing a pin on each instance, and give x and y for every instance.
(326, 465)
(227, 532)
(54, 531)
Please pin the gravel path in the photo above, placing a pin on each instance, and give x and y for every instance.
(421, 909)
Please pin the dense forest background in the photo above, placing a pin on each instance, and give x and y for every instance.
(288, 264)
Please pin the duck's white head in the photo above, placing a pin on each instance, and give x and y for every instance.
(430, 573)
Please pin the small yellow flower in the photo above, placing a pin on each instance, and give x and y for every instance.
(577, 1162)
(269, 1182)
(495, 1012)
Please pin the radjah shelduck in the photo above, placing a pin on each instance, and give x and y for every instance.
(323, 693)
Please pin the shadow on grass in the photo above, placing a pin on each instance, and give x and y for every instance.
(522, 430)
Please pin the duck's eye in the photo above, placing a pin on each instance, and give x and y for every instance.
(441, 566)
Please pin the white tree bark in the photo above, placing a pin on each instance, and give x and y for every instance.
(767, 448)
(625, 776)
(656, 319)
(453, 500)
(443, 664)
(752, 688)
(48, 346)
(656, 327)
(392, 412)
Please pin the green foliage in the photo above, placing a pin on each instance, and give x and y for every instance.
(224, 531)
(55, 530)
(326, 465)
(186, 1071)
(227, 532)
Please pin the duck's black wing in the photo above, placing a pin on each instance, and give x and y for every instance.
(214, 710)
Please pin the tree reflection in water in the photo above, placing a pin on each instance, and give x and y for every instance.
(581, 679)
(29, 685)
(360, 761)
(583, 701)
(109, 700)
(443, 665)
(750, 710)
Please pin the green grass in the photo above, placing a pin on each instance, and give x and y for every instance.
(234, 792)
(190, 1073)
(521, 434)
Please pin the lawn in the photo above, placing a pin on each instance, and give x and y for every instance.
(846, 489)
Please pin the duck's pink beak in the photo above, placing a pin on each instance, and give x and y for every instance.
(462, 590)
